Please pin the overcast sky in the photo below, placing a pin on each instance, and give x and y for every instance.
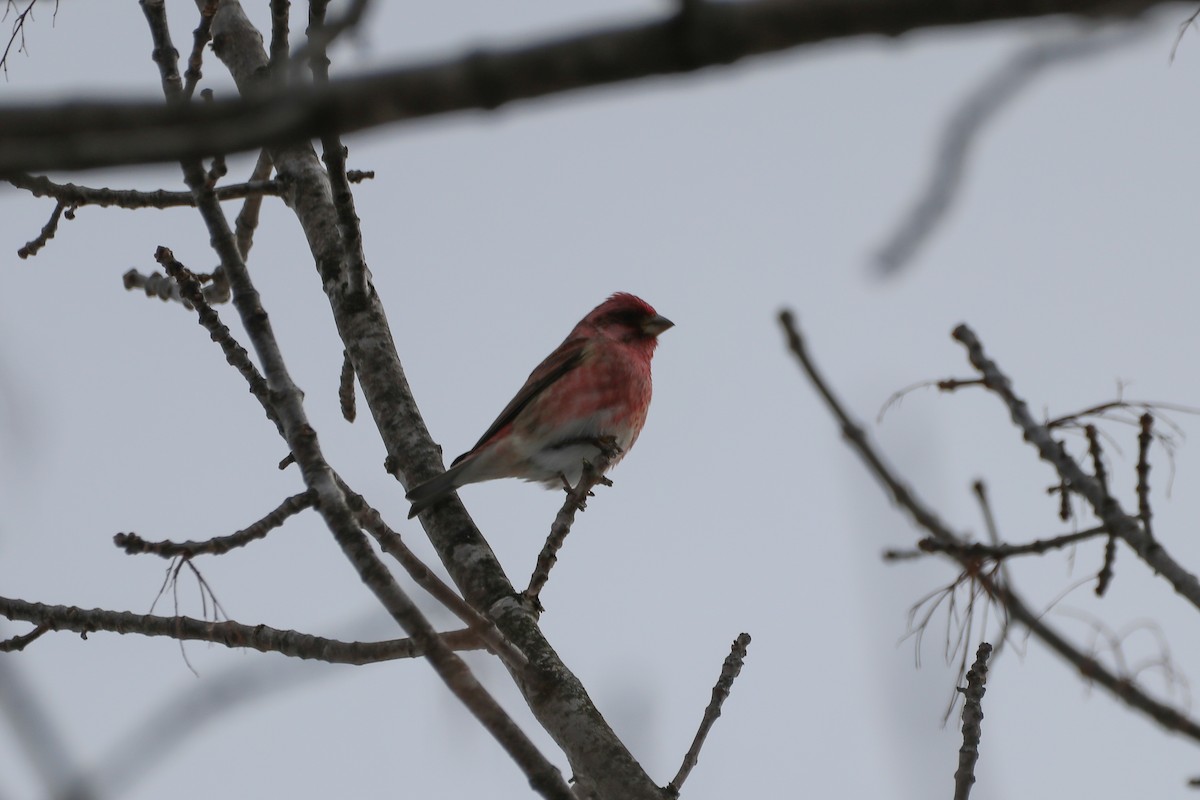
(720, 198)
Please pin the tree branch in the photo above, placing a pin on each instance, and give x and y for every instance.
(720, 693)
(557, 699)
(79, 134)
(1105, 507)
(972, 720)
(1090, 669)
(231, 634)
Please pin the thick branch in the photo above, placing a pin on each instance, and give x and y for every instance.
(287, 400)
(91, 134)
(557, 699)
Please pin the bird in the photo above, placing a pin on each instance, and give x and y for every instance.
(592, 392)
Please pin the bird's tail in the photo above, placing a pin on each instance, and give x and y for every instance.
(433, 490)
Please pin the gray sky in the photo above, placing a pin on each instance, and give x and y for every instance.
(719, 198)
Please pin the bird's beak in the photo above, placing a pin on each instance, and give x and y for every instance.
(656, 325)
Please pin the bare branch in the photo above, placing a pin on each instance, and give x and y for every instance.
(200, 38)
(392, 544)
(90, 134)
(1106, 508)
(720, 693)
(31, 248)
(598, 758)
(1145, 437)
(972, 718)
(592, 475)
(972, 116)
(79, 196)
(16, 644)
(286, 399)
(1089, 668)
(133, 544)
(231, 634)
(1000, 552)
(235, 354)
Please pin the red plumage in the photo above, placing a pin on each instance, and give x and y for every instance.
(595, 384)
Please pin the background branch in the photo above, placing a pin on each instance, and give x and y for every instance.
(88, 134)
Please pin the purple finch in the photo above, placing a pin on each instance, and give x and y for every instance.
(596, 384)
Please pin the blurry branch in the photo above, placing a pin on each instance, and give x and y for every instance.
(576, 501)
(975, 111)
(133, 544)
(972, 717)
(333, 152)
(322, 33)
(46, 750)
(720, 693)
(1000, 552)
(231, 634)
(1105, 576)
(1014, 607)
(280, 11)
(131, 756)
(83, 134)
(164, 288)
(1106, 508)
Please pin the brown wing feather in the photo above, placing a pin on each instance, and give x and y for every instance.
(565, 358)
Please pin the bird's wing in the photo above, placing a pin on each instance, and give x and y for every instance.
(565, 358)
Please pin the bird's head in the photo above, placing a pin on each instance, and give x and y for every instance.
(627, 318)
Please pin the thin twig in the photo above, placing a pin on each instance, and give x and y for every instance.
(1145, 437)
(972, 717)
(1105, 576)
(79, 196)
(16, 644)
(31, 248)
(592, 475)
(999, 552)
(720, 693)
(231, 634)
(235, 354)
(200, 38)
(133, 544)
